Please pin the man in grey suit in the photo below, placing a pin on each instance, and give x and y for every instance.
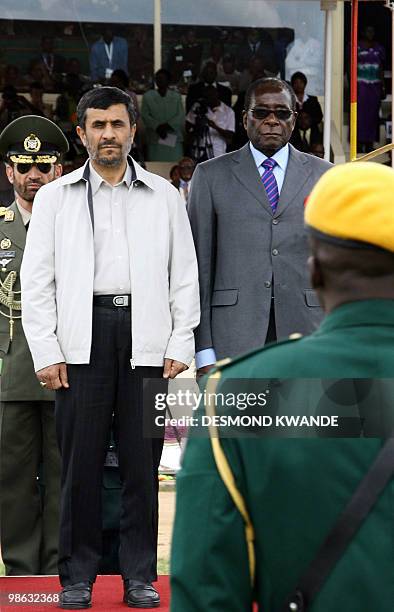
(246, 211)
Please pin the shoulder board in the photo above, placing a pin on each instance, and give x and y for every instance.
(3, 210)
(224, 363)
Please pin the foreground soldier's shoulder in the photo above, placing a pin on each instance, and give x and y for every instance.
(223, 364)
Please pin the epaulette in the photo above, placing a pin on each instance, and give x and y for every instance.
(224, 363)
(3, 210)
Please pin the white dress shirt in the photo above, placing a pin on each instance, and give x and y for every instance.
(111, 252)
(224, 118)
(208, 356)
(184, 188)
(25, 214)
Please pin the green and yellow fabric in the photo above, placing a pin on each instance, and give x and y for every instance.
(29, 457)
(18, 381)
(29, 514)
(293, 489)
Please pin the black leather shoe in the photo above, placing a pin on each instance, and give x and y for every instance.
(140, 594)
(76, 596)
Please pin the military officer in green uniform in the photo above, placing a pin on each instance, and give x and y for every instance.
(31, 147)
(253, 512)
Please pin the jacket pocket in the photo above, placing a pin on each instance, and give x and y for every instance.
(311, 299)
(224, 297)
(4, 342)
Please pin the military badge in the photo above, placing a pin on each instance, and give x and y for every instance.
(5, 243)
(4, 263)
(9, 215)
(32, 144)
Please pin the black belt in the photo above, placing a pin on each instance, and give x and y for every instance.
(112, 301)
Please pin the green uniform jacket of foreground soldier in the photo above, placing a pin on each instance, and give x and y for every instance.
(29, 513)
(294, 489)
(18, 380)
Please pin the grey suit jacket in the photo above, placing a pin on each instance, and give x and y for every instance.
(247, 256)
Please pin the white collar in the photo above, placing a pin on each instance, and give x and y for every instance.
(281, 157)
(96, 180)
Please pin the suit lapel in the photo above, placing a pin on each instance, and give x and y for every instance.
(246, 172)
(297, 173)
(14, 230)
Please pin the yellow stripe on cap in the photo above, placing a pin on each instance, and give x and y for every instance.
(354, 202)
(35, 159)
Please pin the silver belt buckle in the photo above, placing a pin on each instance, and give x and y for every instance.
(120, 300)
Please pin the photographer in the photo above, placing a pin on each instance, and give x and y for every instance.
(211, 125)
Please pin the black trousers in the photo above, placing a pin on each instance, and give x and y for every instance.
(105, 387)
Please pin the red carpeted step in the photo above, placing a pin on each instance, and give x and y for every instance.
(25, 594)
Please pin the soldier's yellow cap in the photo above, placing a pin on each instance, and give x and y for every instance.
(353, 205)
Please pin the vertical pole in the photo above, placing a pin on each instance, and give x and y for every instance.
(390, 6)
(327, 85)
(157, 36)
(392, 82)
(353, 82)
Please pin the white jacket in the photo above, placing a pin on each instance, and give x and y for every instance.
(58, 270)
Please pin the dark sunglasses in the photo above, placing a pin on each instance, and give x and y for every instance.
(282, 114)
(24, 168)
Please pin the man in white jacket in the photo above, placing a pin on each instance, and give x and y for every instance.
(110, 296)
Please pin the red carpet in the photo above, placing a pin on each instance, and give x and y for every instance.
(107, 593)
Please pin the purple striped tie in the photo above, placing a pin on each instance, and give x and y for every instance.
(269, 182)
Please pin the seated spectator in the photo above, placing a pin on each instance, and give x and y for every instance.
(66, 113)
(258, 44)
(310, 104)
(163, 116)
(174, 176)
(184, 59)
(317, 149)
(186, 167)
(38, 74)
(228, 75)
(305, 132)
(12, 77)
(120, 79)
(73, 66)
(37, 104)
(257, 71)
(53, 64)
(208, 78)
(141, 47)
(12, 106)
(210, 124)
(106, 55)
(248, 75)
(66, 104)
(216, 56)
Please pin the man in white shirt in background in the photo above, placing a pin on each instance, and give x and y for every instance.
(220, 121)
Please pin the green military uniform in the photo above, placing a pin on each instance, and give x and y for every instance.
(294, 489)
(29, 512)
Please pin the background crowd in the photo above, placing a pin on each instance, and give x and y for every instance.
(193, 105)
